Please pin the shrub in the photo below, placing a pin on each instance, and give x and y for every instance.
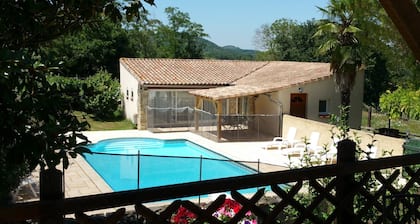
(71, 90)
(401, 103)
(102, 95)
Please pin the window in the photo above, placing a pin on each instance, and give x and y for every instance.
(167, 108)
(323, 108)
(243, 105)
(209, 106)
(132, 95)
(126, 95)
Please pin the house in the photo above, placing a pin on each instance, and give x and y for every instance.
(169, 93)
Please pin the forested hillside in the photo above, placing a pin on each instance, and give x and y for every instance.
(212, 50)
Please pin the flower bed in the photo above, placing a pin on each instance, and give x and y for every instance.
(224, 213)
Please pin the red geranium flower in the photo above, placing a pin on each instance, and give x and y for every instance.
(183, 216)
(232, 204)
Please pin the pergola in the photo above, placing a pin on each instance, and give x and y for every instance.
(274, 76)
(217, 95)
(406, 17)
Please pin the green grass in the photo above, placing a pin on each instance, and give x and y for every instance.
(381, 121)
(117, 124)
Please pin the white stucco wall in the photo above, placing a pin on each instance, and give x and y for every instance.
(130, 83)
(319, 90)
(385, 144)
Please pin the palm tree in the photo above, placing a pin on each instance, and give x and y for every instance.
(342, 45)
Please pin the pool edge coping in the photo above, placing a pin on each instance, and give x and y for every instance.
(94, 177)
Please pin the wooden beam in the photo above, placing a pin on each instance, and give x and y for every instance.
(198, 106)
(406, 18)
(219, 119)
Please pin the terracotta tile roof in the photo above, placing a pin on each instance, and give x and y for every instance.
(272, 77)
(189, 71)
(238, 78)
(278, 74)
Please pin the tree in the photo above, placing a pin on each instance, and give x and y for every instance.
(27, 24)
(93, 48)
(141, 36)
(387, 59)
(287, 40)
(383, 40)
(38, 126)
(100, 45)
(181, 38)
(275, 38)
(377, 80)
(342, 45)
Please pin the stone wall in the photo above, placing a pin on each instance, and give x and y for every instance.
(142, 114)
(306, 126)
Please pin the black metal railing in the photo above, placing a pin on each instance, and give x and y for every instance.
(238, 127)
(233, 127)
(384, 190)
(141, 170)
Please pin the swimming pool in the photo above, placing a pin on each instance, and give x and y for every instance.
(122, 161)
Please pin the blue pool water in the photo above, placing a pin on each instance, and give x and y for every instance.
(162, 162)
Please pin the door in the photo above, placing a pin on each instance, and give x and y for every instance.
(298, 104)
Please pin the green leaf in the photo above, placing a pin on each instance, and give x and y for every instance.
(81, 150)
(352, 29)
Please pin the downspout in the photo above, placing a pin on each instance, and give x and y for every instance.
(219, 119)
(198, 106)
(139, 90)
(142, 103)
(270, 97)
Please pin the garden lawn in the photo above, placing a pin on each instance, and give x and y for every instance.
(381, 121)
(117, 124)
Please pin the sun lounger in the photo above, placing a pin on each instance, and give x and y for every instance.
(299, 149)
(330, 156)
(280, 142)
(369, 153)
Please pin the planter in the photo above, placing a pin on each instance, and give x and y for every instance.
(51, 184)
(389, 132)
(411, 146)
(51, 188)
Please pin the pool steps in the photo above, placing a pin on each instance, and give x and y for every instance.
(133, 146)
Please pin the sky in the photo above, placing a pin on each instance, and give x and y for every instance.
(235, 22)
